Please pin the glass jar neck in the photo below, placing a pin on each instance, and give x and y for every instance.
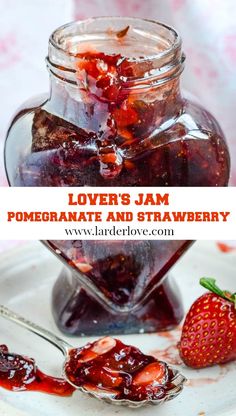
(102, 64)
(66, 101)
(147, 51)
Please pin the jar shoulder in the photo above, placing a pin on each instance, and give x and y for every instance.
(192, 116)
(195, 117)
(43, 149)
(29, 106)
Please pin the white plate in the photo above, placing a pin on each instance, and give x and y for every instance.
(27, 275)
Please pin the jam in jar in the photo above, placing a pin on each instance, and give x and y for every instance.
(115, 116)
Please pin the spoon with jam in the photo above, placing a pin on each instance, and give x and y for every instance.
(105, 369)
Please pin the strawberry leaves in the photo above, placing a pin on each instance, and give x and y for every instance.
(210, 284)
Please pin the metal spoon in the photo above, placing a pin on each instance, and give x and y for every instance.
(177, 382)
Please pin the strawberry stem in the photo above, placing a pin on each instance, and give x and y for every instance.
(210, 284)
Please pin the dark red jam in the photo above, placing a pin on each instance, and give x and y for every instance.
(113, 369)
(104, 132)
(121, 270)
(128, 274)
(20, 373)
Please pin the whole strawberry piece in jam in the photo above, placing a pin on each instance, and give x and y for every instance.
(209, 331)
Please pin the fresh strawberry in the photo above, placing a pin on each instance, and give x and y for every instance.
(209, 331)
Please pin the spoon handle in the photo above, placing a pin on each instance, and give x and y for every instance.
(62, 345)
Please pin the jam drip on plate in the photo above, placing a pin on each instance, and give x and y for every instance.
(20, 373)
(112, 369)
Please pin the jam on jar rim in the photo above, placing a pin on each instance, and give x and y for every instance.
(116, 72)
(166, 59)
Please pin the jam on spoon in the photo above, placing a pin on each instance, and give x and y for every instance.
(117, 370)
(107, 369)
(20, 373)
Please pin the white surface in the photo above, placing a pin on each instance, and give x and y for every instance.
(26, 278)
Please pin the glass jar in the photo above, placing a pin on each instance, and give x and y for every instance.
(115, 116)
